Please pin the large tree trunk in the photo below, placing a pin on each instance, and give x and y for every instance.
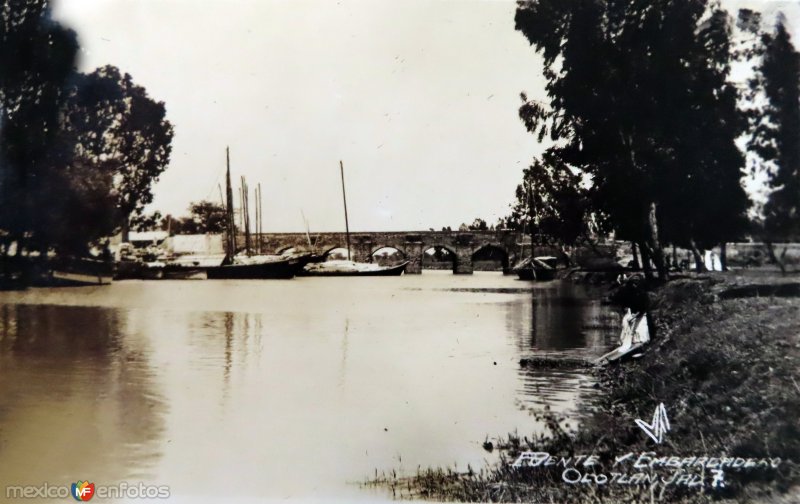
(126, 230)
(779, 261)
(636, 264)
(723, 256)
(565, 255)
(675, 258)
(698, 257)
(592, 244)
(654, 242)
(648, 271)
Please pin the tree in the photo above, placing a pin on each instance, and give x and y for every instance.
(146, 222)
(37, 58)
(639, 102)
(478, 225)
(776, 135)
(78, 153)
(208, 216)
(550, 203)
(120, 129)
(204, 217)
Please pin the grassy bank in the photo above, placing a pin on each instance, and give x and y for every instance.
(724, 361)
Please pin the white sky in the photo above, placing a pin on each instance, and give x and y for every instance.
(419, 98)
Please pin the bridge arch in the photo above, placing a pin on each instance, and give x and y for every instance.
(492, 252)
(434, 255)
(386, 254)
(327, 250)
(281, 250)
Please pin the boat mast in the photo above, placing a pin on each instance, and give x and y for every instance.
(257, 237)
(246, 215)
(259, 218)
(308, 232)
(346, 224)
(533, 216)
(241, 209)
(231, 241)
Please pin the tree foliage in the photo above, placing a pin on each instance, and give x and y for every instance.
(146, 221)
(776, 136)
(204, 217)
(37, 59)
(118, 128)
(639, 102)
(551, 204)
(209, 217)
(78, 153)
(478, 225)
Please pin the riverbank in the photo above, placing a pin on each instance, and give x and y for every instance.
(723, 362)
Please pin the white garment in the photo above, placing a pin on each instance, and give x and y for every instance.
(634, 330)
(711, 260)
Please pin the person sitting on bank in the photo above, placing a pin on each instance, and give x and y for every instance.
(636, 323)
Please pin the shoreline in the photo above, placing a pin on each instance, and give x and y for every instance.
(723, 362)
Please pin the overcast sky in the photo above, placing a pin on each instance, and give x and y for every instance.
(418, 98)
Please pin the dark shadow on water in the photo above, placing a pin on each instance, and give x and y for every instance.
(80, 377)
(566, 321)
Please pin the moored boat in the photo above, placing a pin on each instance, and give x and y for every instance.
(76, 272)
(541, 268)
(255, 267)
(348, 267)
(248, 265)
(352, 268)
(191, 266)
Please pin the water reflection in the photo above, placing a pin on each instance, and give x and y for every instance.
(281, 389)
(77, 396)
(560, 319)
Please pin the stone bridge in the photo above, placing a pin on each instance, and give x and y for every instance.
(411, 244)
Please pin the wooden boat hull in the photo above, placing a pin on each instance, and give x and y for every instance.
(183, 273)
(541, 268)
(71, 278)
(128, 270)
(387, 271)
(76, 273)
(138, 271)
(261, 271)
(536, 274)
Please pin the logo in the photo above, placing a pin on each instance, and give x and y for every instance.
(719, 478)
(83, 490)
(659, 427)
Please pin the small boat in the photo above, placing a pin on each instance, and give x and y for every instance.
(139, 270)
(540, 268)
(256, 267)
(128, 269)
(76, 272)
(347, 267)
(249, 265)
(191, 267)
(153, 270)
(351, 268)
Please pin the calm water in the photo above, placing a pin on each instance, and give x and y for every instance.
(238, 390)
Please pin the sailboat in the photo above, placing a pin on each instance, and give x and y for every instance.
(540, 268)
(247, 265)
(349, 267)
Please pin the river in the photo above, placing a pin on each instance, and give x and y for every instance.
(297, 389)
